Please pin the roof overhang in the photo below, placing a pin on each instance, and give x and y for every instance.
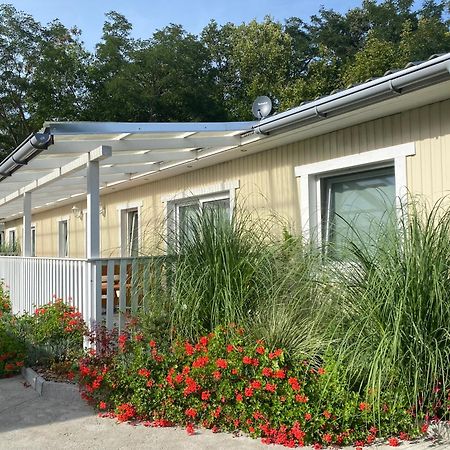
(52, 164)
(57, 173)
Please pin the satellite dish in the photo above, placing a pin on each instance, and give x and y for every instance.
(262, 107)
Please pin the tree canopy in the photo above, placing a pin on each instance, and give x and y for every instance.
(46, 73)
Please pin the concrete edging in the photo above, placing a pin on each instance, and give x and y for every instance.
(51, 389)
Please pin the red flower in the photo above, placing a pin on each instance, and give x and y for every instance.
(364, 406)
(301, 398)
(191, 412)
(102, 405)
(393, 442)
(230, 348)
(217, 375)
(239, 397)
(267, 371)
(279, 374)
(248, 392)
(201, 361)
(276, 354)
(189, 348)
(144, 373)
(203, 341)
(152, 344)
(190, 429)
(294, 384)
(247, 360)
(321, 371)
(317, 446)
(206, 395)
(234, 371)
(138, 338)
(328, 438)
(404, 436)
(221, 363)
(255, 384)
(260, 350)
(326, 414)
(424, 428)
(308, 416)
(270, 387)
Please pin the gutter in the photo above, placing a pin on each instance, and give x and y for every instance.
(25, 152)
(431, 72)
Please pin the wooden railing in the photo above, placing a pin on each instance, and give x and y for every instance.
(104, 290)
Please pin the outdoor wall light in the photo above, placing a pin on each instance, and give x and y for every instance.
(77, 212)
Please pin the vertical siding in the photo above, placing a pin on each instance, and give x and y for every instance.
(267, 183)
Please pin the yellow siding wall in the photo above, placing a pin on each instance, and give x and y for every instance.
(267, 182)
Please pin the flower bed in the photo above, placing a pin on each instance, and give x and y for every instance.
(225, 384)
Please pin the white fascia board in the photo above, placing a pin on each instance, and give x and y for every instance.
(118, 128)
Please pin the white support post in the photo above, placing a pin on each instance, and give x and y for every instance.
(26, 224)
(93, 207)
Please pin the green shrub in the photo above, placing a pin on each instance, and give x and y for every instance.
(53, 333)
(226, 381)
(12, 352)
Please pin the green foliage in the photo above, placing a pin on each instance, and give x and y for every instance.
(393, 332)
(228, 382)
(47, 74)
(53, 334)
(12, 351)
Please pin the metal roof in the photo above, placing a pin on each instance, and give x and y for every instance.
(58, 172)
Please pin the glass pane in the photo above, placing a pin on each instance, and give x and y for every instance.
(133, 233)
(187, 215)
(221, 208)
(358, 205)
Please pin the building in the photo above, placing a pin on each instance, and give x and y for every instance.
(82, 198)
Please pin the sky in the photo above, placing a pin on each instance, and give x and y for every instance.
(148, 16)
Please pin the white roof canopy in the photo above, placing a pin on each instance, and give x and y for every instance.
(125, 151)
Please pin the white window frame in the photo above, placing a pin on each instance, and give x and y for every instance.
(123, 211)
(204, 194)
(311, 176)
(60, 240)
(9, 231)
(33, 240)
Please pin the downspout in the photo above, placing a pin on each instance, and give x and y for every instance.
(25, 152)
(435, 71)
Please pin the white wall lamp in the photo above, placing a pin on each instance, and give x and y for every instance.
(77, 212)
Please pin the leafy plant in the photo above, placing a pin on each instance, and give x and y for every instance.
(393, 328)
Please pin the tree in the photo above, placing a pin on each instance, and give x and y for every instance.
(41, 75)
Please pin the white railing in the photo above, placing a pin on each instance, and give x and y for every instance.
(104, 290)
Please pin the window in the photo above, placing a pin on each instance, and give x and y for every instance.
(184, 207)
(2, 239)
(129, 231)
(33, 241)
(359, 190)
(355, 205)
(188, 211)
(63, 239)
(12, 242)
(133, 232)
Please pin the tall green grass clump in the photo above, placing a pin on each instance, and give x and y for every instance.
(221, 272)
(393, 330)
(240, 272)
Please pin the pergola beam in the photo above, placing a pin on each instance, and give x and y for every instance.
(189, 143)
(97, 154)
